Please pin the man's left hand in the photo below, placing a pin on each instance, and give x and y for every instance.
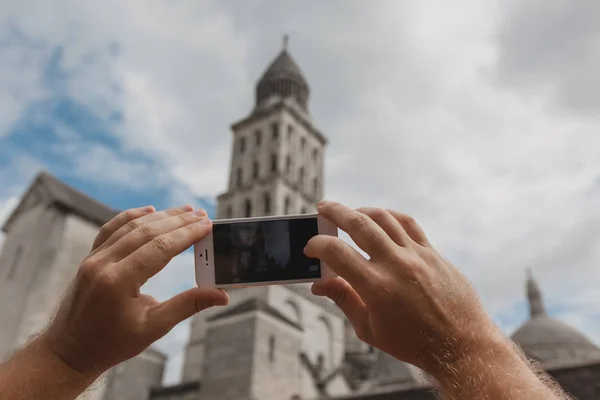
(104, 319)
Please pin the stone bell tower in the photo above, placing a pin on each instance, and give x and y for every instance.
(277, 152)
(276, 168)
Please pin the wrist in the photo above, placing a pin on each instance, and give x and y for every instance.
(491, 348)
(43, 348)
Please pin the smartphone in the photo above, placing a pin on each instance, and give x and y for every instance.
(258, 251)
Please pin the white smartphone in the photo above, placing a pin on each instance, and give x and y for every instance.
(259, 251)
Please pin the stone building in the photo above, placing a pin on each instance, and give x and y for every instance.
(271, 342)
(47, 236)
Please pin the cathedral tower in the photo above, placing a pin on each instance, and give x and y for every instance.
(276, 169)
(277, 152)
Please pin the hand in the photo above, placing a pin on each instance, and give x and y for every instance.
(104, 319)
(407, 299)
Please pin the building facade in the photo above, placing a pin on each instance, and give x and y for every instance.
(48, 235)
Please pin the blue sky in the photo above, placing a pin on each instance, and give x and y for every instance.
(469, 117)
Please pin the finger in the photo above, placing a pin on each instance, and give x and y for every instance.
(416, 233)
(136, 223)
(117, 222)
(363, 230)
(348, 301)
(341, 258)
(388, 223)
(184, 305)
(145, 233)
(152, 257)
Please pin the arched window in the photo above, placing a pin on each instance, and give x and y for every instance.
(255, 170)
(288, 164)
(273, 162)
(258, 138)
(267, 203)
(248, 208)
(315, 154)
(271, 348)
(301, 178)
(287, 205)
(302, 144)
(238, 178)
(290, 133)
(242, 145)
(275, 130)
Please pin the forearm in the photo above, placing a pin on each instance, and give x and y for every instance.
(35, 372)
(499, 372)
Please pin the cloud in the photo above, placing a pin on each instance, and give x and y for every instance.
(476, 118)
(552, 47)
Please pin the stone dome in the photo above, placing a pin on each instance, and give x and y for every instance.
(550, 341)
(283, 79)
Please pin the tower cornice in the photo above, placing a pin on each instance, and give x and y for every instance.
(280, 105)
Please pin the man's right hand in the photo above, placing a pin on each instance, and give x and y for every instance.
(412, 303)
(407, 299)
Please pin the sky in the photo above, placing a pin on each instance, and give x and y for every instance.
(479, 118)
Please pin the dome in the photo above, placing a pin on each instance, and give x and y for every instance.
(553, 342)
(283, 78)
(550, 341)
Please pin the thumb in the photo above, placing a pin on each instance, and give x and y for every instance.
(346, 298)
(184, 305)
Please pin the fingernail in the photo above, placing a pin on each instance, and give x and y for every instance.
(321, 203)
(188, 207)
(148, 209)
(200, 212)
(204, 221)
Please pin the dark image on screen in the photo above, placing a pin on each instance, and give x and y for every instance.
(264, 251)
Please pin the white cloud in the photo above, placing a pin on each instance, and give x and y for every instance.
(410, 95)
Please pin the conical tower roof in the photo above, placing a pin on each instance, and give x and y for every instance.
(283, 78)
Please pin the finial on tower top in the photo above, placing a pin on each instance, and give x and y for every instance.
(286, 39)
(534, 295)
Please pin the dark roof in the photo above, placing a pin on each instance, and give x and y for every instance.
(283, 78)
(180, 389)
(61, 194)
(254, 305)
(283, 66)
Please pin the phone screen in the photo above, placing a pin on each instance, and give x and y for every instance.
(263, 251)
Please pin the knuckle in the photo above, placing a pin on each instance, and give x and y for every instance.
(379, 213)
(358, 221)
(129, 214)
(88, 269)
(200, 305)
(133, 224)
(186, 218)
(332, 246)
(147, 231)
(162, 243)
(103, 229)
